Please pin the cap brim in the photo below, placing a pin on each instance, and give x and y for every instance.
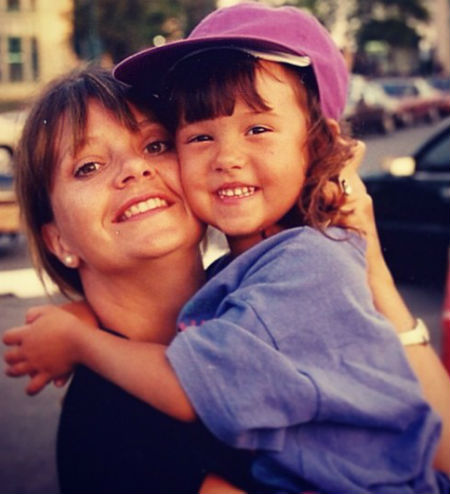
(147, 68)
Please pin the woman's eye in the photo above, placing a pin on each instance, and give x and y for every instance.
(87, 169)
(200, 138)
(158, 147)
(257, 129)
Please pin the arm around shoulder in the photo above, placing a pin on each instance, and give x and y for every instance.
(424, 361)
(140, 368)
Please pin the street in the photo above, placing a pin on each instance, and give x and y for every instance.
(28, 425)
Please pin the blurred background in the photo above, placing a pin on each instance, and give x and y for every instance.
(398, 54)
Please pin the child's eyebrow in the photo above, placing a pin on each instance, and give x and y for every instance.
(257, 111)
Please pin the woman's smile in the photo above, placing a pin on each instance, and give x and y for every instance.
(126, 185)
(137, 207)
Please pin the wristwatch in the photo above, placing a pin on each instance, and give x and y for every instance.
(419, 335)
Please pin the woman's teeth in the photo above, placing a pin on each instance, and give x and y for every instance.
(144, 206)
(236, 192)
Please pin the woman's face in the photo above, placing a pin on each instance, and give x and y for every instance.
(118, 199)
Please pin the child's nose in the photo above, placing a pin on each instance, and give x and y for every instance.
(229, 157)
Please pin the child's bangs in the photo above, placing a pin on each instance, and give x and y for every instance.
(207, 85)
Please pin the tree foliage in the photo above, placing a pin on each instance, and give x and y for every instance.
(382, 20)
(120, 27)
(392, 21)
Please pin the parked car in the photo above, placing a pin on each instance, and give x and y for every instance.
(440, 82)
(412, 207)
(369, 108)
(416, 99)
(446, 325)
(10, 128)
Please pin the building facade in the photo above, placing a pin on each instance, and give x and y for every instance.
(35, 45)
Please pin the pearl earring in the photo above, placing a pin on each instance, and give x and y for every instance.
(69, 260)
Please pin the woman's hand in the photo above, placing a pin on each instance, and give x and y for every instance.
(44, 348)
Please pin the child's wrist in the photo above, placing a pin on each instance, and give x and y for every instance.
(77, 337)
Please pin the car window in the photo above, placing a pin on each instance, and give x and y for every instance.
(394, 90)
(437, 156)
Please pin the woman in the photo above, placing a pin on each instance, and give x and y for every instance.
(127, 242)
(133, 216)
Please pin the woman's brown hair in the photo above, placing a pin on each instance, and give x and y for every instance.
(65, 99)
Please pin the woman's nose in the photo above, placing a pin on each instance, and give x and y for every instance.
(134, 169)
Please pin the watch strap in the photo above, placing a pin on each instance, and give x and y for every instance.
(418, 335)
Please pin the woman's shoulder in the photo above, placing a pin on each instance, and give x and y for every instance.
(112, 442)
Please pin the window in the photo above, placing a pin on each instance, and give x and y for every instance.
(34, 59)
(12, 5)
(15, 59)
(436, 157)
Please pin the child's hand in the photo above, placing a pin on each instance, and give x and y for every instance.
(83, 311)
(44, 348)
(213, 484)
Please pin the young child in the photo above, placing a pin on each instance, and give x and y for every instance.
(282, 351)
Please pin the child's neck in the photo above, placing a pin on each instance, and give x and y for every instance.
(240, 243)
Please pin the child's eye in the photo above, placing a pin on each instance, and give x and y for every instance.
(158, 147)
(199, 138)
(87, 169)
(257, 129)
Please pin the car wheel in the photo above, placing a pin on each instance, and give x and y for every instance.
(432, 115)
(407, 119)
(387, 124)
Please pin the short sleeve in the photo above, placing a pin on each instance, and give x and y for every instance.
(241, 386)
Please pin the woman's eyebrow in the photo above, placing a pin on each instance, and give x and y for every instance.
(72, 150)
(147, 123)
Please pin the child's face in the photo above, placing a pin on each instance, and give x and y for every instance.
(242, 173)
(122, 190)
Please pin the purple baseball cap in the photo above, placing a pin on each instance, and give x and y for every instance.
(252, 27)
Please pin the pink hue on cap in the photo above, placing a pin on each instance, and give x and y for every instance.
(258, 27)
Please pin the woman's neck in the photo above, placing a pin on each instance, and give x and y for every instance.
(143, 303)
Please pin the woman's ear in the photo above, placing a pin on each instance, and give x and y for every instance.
(56, 245)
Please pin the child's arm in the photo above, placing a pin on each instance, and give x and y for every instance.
(56, 341)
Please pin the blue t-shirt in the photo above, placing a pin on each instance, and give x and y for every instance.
(283, 352)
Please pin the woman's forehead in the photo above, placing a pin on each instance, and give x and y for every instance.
(73, 132)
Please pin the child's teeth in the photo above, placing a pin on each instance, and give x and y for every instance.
(236, 192)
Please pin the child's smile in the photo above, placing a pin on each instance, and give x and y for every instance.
(236, 191)
(242, 173)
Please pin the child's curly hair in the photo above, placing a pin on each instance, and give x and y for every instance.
(206, 86)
